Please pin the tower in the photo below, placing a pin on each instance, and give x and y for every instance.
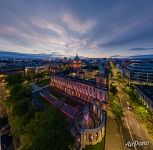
(76, 63)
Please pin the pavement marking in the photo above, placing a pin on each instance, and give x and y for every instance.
(129, 128)
(130, 122)
(145, 131)
(124, 112)
(138, 126)
(127, 122)
(122, 138)
(129, 131)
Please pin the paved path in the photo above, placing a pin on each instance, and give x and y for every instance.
(113, 134)
(3, 111)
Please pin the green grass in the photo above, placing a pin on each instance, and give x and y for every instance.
(99, 146)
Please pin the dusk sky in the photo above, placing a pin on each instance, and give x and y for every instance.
(91, 28)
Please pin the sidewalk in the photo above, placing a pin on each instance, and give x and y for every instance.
(113, 139)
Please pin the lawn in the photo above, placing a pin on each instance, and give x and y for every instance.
(99, 146)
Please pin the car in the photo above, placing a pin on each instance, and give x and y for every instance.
(130, 107)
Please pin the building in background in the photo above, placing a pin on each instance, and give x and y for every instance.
(76, 63)
(140, 72)
(146, 94)
(37, 69)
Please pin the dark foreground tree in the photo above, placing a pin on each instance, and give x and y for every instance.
(49, 130)
(13, 80)
(46, 130)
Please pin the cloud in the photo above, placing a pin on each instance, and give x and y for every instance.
(140, 49)
(76, 25)
(50, 26)
(7, 29)
(87, 27)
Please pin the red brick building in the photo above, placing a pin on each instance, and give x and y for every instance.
(88, 92)
(76, 63)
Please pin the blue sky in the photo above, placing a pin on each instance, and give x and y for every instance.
(91, 28)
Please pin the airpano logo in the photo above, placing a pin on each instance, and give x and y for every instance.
(137, 143)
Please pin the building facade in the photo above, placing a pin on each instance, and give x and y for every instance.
(146, 94)
(76, 63)
(91, 136)
(140, 72)
(95, 95)
(37, 69)
(87, 92)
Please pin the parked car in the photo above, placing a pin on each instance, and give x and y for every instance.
(130, 107)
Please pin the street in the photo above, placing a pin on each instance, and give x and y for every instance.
(131, 127)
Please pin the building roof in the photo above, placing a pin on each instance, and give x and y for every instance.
(88, 82)
(147, 90)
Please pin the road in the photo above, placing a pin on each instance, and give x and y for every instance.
(132, 128)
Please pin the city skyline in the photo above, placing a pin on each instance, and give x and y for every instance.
(89, 28)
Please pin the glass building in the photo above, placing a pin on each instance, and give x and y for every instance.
(140, 72)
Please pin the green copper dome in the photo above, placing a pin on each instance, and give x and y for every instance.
(76, 57)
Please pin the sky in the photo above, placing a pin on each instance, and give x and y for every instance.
(91, 28)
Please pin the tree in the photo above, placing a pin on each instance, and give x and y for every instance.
(111, 73)
(113, 89)
(29, 77)
(48, 131)
(13, 80)
(17, 125)
(38, 76)
(21, 110)
(142, 111)
(117, 109)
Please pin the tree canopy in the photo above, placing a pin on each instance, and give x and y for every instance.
(49, 130)
(113, 89)
(37, 130)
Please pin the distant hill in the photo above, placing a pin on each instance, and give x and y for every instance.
(135, 56)
(6, 54)
(142, 56)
